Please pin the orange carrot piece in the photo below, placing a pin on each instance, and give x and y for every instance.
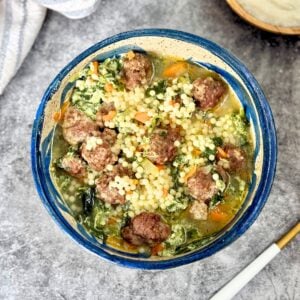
(108, 87)
(160, 167)
(156, 249)
(95, 67)
(129, 247)
(142, 117)
(56, 116)
(172, 102)
(176, 69)
(222, 153)
(130, 55)
(135, 181)
(114, 241)
(111, 220)
(196, 152)
(109, 116)
(190, 173)
(218, 215)
(59, 115)
(165, 192)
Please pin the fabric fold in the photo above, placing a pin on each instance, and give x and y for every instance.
(20, 23)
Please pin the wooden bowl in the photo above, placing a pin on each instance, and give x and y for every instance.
(238, 9)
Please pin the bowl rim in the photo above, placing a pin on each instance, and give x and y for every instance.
(269, 145)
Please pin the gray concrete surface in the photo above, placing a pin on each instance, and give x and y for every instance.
(39, 261)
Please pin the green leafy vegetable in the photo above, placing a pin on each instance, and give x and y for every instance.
(240, 124)
(159, 88)
(192, 245)
(215, 200)
(88, 200)
(207, 152)
(218, 141)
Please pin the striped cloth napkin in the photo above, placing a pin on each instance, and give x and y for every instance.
(20, 23)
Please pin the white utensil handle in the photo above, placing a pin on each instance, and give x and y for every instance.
(241, 279)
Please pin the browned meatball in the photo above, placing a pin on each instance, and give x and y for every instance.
(129, 236)
(224, 175)
(201, 186)
(74, 165)
(109, 135)
(199, 210)
(96, 151)
(208, 92)
(137, 70)
(146, 228)
(77, 126)
(236, 157)
(103, 111)
(105, 192)
(162, 148)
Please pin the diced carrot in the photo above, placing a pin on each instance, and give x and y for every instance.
(56, 116)
(108, 87)
(129, 192)
(129, 247)
(176, 69)
(222, 153)
(160, 167)
(95, 67)
(114, 241)
(190, 173)
(156, 249)
(142, 117)
(59, 115)
(172, 102)
(196, 152)
(130, 55)
(120, 244)
(109, 116)
(140, 148)
(165, 192)
(111, 220)
(135, 181)
(218, 215)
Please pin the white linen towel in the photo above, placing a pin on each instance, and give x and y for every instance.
(20, 23)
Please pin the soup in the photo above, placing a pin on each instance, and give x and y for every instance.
(152, 154)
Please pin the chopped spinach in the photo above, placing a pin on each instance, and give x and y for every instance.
(159, 88)
(88, 200)
(207, 152)
(192, 245)
(218, 141)
(163, 133)
(215, 200)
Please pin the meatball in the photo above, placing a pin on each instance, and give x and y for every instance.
(146, 228)
(107, 193)
(103, 111)
(77, 126)
(201, 186)
(208, 92)
(109, 136)
(97, 152)
(224, 175)
(137, 70)
(162, 147)
(199, 210)
(74, 165)
(236, 157)
(132, 238)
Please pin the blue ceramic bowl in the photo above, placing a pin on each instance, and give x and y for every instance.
(173, 43)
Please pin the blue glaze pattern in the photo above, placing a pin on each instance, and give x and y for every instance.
(262, 122)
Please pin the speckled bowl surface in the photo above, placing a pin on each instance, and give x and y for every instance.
(171, 43)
